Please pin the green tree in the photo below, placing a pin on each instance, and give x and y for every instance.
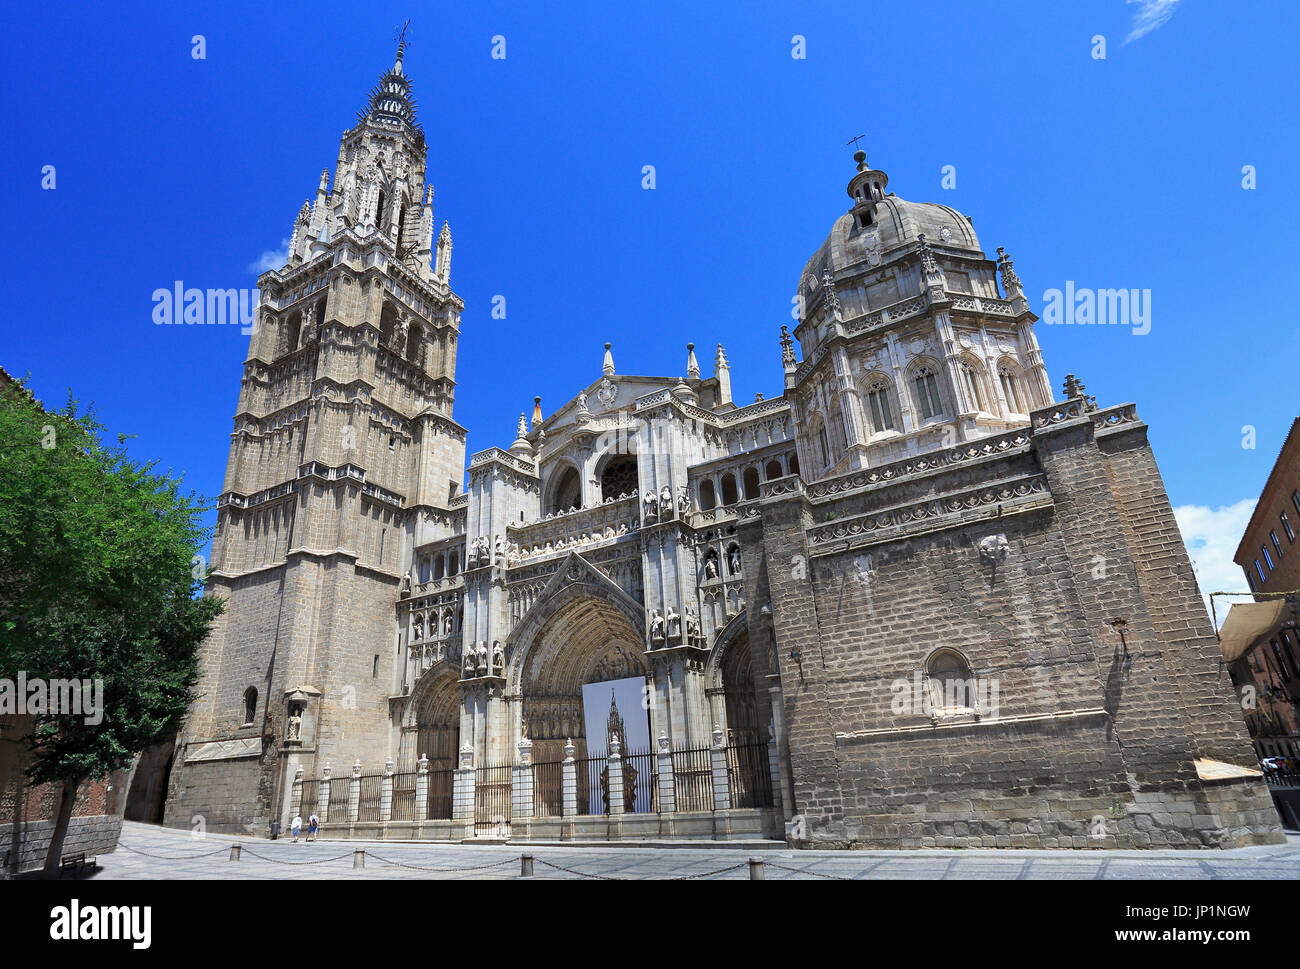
(99, 580)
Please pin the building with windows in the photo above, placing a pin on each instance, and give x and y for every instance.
(912, 600)
(1268, 552)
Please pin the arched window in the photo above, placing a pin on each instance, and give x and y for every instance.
(972, 376)
(952, 687)
(413, 342)
(750, 480)
(291, 333)
(424, 570)
(794, 464)
(619, 478)
(568, 491)
(1011, 389)
(882, 415)
(708, 499)
(437, 567)
(927, 393)
(729, 489)
(453, 562)
(773, 470)
(379, 211)
(387, 324)
(250, 705)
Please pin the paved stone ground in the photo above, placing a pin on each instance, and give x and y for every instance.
(146, 851)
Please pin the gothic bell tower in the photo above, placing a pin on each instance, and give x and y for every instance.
(344, 456)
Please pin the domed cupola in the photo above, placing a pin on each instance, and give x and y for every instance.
(866, 188)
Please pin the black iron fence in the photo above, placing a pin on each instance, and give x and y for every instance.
(693, 779)
(548, 789)
(339, 793)
(370, 790)
(640, 782)
(440, 790)
(749, 775)
(404, 796)
(310, 793)
(492, 801)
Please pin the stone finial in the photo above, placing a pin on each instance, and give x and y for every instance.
(569, 749)
(608, 367)
(324, 180)
(525, 747)
(860, 157)
(297, 775)
(537, 412)
(663, 743)
(325, 771)
(1010, 281)
(424, 763)
(828, 288)
(787, 349)
(466, 756)
(692, 365)
(523, 426)
(356, 767)
(720, 360)
(388, 765)
(1073, 387)
(428, 195)
(717, 735)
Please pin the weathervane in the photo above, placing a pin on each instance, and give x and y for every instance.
(854, 141)
(401, 35)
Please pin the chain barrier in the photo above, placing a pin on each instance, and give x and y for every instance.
(580, 874)
(804, 871)
(147, 854)
(313, 861)
(710, 874)
(398, 864)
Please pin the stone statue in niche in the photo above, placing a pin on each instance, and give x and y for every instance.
(693, 635)
(651, 507)
(674, 624)
(417, 627)
(683, 500)
(500, 558)
(711, 566)
(469, 662)
(582, 406)
(734, 560)
(446, 624)
(498, 659)
(295, 723)
(656, 626)
(666, 502)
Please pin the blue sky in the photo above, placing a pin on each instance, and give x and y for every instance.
(1121, 172)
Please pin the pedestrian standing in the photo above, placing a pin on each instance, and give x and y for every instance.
(296, 827)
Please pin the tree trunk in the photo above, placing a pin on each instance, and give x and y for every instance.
(67, 800)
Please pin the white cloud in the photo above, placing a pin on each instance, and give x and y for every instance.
(270, 259)
(1212, 536)
(1151, 14)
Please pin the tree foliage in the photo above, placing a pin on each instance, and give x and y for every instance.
(98, 580)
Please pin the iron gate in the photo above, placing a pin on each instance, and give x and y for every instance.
(492, 802)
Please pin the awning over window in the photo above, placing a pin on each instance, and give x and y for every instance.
(1247, 623)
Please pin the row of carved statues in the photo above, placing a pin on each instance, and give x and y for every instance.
(667, 630)
(437, 629)
(510, 554)
(660, 507)
(477, 661)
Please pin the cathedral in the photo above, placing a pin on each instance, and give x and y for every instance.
(911, 600)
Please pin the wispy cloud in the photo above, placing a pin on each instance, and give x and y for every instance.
(1150, 15)
(1212, 536)
(271, 259)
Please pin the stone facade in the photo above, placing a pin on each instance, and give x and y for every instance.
(953, 609)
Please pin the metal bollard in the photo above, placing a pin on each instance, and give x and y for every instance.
(756, 870)
(525, 866)
(359, 858)
(234, 852)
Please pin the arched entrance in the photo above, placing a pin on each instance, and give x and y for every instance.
(733, 702)
(587, 640)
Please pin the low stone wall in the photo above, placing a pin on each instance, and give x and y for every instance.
(93, 834)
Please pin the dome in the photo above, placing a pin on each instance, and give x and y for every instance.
(895, 223)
